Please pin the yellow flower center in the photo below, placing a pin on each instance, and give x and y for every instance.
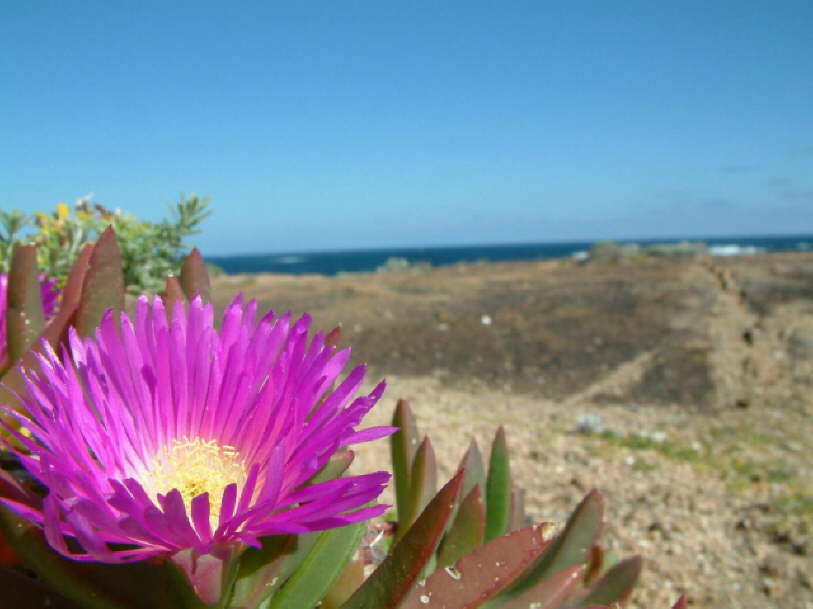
(194, 467)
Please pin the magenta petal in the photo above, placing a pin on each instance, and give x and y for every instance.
(171, 437)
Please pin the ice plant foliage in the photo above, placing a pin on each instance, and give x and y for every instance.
(50, 296)
(162, 435)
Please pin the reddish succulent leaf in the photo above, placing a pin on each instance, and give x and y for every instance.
(334, 337)
(680, 603)
(55, 331)
(498, 488)
(423, 482)
(616, 585)
(403, 444)
(103, 288)
(480, 575)
(568, 549)
(72, 292)
(595, 565)
(195, 277)
(28, 593)
(392, 580)
(467, 530)
(472, 463)
(550, 592)
(24, 315)
(172, 294)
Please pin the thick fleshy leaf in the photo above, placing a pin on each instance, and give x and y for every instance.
(467, 530)
(393, 579)
(498, 488)
(262, 571)
(549, 593)
(518, 518)
(28, 593)
(55, 331)
(334, 468)
(90, 585)
(403, 445)
(472, 464)
(348, 582)
(617, 583)
(72, 292)
(334, 337)
(480, 575)
(423, 482)
(24, 316)
(103, 288)
(595, 565)
(568, 549)
(195, 277)
(172, 294)
(680, 603)
(321, 567)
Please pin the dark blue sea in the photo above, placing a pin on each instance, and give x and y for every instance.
(354, 261)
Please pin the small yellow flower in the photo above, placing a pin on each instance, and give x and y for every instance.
(62, 211)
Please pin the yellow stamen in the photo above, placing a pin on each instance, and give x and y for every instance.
(194, 467)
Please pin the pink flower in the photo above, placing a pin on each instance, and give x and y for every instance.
(156, 438)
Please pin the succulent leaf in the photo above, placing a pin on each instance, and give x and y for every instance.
(480, 575)
(392, 580)
(550, 592)
(568, 549)
(30, 593)
(103, 287)
(403, 445)
(423, 482)
(321, 567)
(194, 277)
(498, 488)
(467, 530)
(616, 585)
(24, 314)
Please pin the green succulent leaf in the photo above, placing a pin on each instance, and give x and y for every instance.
(334, 468)
(321, 567)
(467, 530)
(392, 580)
(262, 571)
(568, 549)
(617, 583)
(423, 482)
(472, 464)
(403, 445)
(498, 488)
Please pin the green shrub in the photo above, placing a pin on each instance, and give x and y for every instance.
(150, 250)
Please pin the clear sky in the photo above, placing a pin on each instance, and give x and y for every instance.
(360, 124)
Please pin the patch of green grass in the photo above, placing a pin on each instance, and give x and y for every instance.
(666, 448)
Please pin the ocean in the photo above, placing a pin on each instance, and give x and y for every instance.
(367, 260)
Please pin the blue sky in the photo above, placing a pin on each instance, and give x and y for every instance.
(363, 124)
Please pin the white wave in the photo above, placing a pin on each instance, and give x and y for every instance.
(732, 249)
